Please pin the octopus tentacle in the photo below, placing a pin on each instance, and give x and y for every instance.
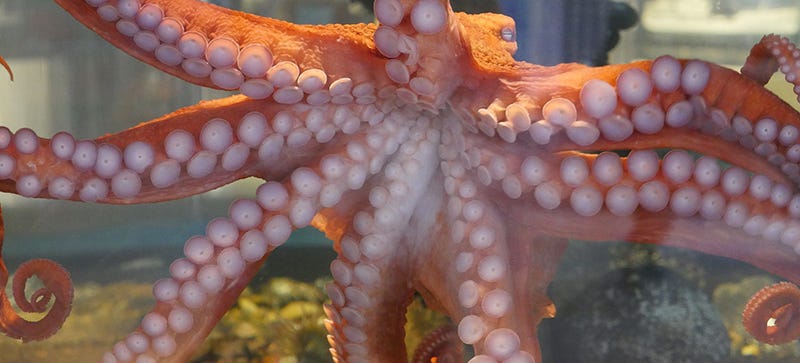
(497, 295)
(374, 252)
(7, 67)
(220, 48)
(771, 54)
(216, 268)
(406, 25)
(218, 265)
(646, 114)
(631, 194)
(355, 331)
(681, 118)
(645, 197)
(190, 151)
(57, 288)
(441, 344)
(771, 315)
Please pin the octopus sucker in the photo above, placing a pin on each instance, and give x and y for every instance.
(436, 162)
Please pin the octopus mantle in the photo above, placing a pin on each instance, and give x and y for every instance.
(436, 163)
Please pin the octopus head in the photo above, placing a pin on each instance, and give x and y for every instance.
(490, 38)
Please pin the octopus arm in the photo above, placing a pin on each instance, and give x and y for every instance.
(762, 62)
(377, 238)
(218, 265)
(187, 152)
(57, 288)
(202, 287)
(221, 48)
(502, 269)
(7, 67)
(748, 170)
(673, 152)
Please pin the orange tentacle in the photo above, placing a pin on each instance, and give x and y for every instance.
(440, 346)
(772, 315)
(7, 67)
(57, 284)
(760, 63)
(300, 44)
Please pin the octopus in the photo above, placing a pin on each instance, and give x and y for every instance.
(437, 163)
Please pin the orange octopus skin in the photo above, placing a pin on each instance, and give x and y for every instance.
(436, 163)
(7, 67)
(778, 303)
(439, 346)
(57, 285)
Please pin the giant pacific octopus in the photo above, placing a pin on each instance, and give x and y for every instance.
(436, 163)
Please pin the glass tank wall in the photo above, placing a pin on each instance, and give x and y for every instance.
(67, 78)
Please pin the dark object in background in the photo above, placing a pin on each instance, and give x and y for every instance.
(644, 314)
(582, 31)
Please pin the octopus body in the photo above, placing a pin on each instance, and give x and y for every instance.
(435, 162)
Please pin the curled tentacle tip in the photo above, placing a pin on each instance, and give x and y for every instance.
(772, 315)
(7, 67)
(441, 345)
(57, 287)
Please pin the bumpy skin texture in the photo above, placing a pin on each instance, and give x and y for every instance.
(56, 287)
(436, 162)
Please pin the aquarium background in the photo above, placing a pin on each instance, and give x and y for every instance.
(67, 78)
